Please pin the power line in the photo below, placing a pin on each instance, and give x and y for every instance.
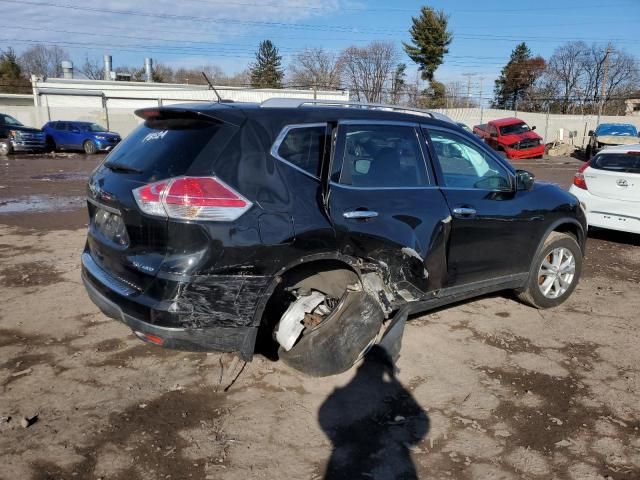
(294, 26)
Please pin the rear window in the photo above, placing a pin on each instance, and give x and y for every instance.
(303, 146)
(617, 162)
(165, 148)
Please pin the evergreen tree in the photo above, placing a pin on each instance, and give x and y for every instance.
(430, 39)
(517, 77)
(11, 78)
(267, 71)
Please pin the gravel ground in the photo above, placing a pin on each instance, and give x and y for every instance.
(484, 389)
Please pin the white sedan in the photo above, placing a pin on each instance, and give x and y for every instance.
(608, 187)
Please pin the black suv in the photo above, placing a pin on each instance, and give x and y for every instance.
(303, 227)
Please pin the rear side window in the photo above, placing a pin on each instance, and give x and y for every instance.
(303, 147)
(164, 148)
(382, 156)
(617, 162)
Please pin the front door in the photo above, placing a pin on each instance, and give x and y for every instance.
(385, 206)
(494, 229)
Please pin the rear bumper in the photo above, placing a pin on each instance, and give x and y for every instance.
(220, 338)
(526, 153)
(610, 214)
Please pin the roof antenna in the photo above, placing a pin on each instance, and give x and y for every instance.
(211, 87)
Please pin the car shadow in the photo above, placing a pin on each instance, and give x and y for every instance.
(372, 422)
(615, 236)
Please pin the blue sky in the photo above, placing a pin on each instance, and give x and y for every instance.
(225, 33)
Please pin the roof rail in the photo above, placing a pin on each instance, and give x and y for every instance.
(301, 102)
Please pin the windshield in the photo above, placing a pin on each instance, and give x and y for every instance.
(9, 120)
(514, 129)
(92, 127)
(617, 129)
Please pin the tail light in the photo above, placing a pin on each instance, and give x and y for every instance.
(192, 198)
(578, 178)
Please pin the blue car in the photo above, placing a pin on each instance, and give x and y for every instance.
(86, 136)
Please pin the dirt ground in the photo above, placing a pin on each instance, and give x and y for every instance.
(486, 389)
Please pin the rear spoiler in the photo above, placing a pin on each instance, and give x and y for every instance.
(209, 115)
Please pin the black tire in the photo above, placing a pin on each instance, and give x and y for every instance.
(340, 340)
(89, 147)
(51, 145)
(5, 148)
(533, 292)
(587, 152)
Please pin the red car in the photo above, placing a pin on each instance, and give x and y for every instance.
(512, 136)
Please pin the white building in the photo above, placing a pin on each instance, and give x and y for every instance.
(112, 103)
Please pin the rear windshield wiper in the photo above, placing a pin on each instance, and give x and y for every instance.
(118, 167)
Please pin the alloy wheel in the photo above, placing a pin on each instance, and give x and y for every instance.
(556, 272)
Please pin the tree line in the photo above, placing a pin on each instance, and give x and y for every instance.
(577, 78)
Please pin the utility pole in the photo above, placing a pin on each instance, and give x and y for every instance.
(480, 100)
(468, 75)
(605, 76)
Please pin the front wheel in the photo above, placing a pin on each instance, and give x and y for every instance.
(5, 148)
(90, 147)
(554, 273)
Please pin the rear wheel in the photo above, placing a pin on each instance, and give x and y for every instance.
(325, 323)
(587, 152)
(89, 147)
(51, 145)
(5, 148)
(554, 273)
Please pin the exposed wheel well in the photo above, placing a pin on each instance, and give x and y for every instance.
(572, 229)
(328, 276)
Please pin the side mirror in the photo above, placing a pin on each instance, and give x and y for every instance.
(524, 180)
(533, 128)
(590, 133)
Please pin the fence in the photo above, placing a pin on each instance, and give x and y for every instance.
(574, 128)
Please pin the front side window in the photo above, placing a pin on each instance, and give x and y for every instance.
(465, 165)
(382, 156)
(304, 147)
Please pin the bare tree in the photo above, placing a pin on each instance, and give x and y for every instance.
(565, 72)
(43, 60)
(92, 69)
(315, 68)
(367, 70)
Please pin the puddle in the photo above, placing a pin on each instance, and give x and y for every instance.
(62, 176)
(40, 203)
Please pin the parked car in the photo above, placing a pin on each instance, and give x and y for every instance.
(15, 137)
(511, 136)
(87, 136)
(312, 227)
(610, 134)
(609, 188)
(465, 127)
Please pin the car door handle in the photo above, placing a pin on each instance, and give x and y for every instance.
(464, 212)
(360, 214)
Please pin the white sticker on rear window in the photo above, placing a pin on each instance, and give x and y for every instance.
(154, 136)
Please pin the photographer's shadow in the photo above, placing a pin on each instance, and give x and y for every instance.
(372, 422)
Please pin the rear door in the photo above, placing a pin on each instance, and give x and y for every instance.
(615, 176)
(122, 240)
(385, 206)
(494, 229)
(62, 134)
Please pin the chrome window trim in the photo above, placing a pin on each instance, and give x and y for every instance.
(416, 131)
(351, 187)
(283, 134)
